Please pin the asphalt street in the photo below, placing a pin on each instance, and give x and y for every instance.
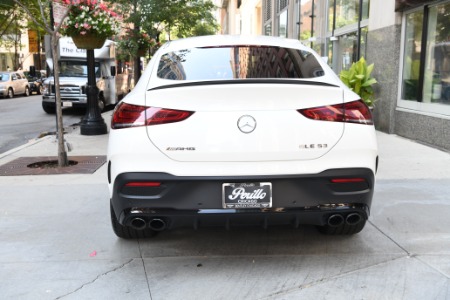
(22, 119)
(57, 242)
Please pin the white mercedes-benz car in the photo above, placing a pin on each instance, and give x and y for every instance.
(234, 130)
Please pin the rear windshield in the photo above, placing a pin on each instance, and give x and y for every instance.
(238, 62)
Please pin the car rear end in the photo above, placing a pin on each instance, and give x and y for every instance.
(236, 132)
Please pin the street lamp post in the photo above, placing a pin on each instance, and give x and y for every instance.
(92, 123)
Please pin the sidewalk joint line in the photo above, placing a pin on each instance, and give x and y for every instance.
(392, 240)
(95, 279)
(145, 270)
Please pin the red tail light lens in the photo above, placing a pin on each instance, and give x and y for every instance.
(350, 112)
(129, 115)
(347, 180)
(143, 184)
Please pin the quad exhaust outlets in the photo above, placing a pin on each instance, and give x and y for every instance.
(156, 224)
(338, 219)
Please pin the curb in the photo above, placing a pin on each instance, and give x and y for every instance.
(24, 146)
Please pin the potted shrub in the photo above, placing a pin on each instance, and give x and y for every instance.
(358, 79)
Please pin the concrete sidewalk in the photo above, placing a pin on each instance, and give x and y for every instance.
(57, 242)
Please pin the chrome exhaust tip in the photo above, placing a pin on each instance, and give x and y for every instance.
(353, 219)
(335, 220)
(138, 223)
(157, 224)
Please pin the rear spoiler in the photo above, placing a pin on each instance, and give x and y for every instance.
(244, 81)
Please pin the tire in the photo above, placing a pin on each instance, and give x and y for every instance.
(50, 109)
(344, 229)
(10, 93)
(126, 232)
(40, 90)
(27, 91)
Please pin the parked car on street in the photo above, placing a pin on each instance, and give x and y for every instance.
(235, 130)
(13, 83)
(36, 81)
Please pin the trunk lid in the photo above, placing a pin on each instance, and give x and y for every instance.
(245, 122)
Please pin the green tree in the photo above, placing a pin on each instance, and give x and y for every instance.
(12, 26)
(38, 12)
(181, 18)
(10, 29)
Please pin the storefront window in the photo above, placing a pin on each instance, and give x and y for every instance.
(363, 42)
(348, 45)
(347, 12)
(282, 24)
(436, 86)
(426, 68)
(411, 57)
(305, 20)
(330, 16)
(268, 29)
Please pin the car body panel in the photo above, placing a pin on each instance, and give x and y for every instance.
(212, 133)
(187, 164)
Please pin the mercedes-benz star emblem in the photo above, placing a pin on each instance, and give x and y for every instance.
(246, 124)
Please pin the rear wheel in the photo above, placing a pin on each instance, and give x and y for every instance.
(27, 91)
(127, 232)
(343, 229)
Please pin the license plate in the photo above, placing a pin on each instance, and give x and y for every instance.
(247, 195)
(67, 104)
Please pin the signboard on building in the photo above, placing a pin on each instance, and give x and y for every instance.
(33, 41)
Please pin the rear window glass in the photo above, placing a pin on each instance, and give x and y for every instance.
(238, 62)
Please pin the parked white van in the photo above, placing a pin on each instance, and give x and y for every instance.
(73, 77)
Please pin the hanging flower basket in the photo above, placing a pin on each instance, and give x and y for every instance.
(89, 23)
(88, 41)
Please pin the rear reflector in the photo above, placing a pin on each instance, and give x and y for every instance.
(350, 112)
(143, 184)
(347, 180)
(129, 115)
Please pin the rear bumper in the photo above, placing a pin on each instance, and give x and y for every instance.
(197, 201)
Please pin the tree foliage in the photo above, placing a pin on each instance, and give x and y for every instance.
(174, 18)
(180, 16)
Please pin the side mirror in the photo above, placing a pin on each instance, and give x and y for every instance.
(113, 70)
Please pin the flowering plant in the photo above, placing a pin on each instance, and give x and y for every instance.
(144, 41)
(89, 17)
(134, 41)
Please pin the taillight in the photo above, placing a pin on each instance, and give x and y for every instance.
(143, 184)
(129, 115)
(347, 180)
(350, 112)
